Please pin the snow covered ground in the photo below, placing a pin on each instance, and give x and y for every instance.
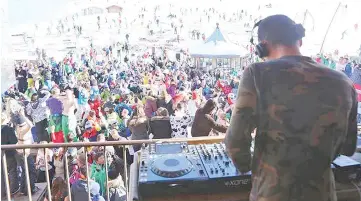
(319, 15)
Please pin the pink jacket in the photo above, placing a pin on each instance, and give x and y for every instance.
(150, 106)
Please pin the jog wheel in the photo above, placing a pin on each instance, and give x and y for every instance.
(171, 166)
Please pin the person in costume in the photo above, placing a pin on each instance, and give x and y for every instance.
(30, 92)
(83, 106)
(37, 109)
(55, 120)
(94, 90)
(105, 95)
(95, 105)
(97, 171)
(91, 127)
(68, 117)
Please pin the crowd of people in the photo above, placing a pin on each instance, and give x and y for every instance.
(96, 100)
(82, 98)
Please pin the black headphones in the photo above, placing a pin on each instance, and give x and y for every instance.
(261, 48)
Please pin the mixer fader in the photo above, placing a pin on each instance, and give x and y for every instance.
(216, 161)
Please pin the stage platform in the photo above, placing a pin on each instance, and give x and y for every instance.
(38, 196)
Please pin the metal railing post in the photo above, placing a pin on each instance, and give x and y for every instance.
(47, 173)
(125, 170)
(106, 173)
(27, 174)
(6, 177)
(87, 172)
(67, 172)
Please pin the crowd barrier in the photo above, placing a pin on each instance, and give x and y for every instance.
(65, 146)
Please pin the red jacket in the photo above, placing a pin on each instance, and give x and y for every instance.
(227, 89)
(358, 91)
(95, 105)
(90, 133)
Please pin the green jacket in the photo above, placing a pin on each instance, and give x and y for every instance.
(98, 174)
(105, 95)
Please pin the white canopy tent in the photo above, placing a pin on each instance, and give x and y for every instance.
(216, 48)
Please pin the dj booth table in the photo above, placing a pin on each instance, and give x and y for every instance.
(345, 192)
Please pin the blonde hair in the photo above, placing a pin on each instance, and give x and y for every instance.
(162, 112)
(138, 116)
(163, 94)
(139, 111)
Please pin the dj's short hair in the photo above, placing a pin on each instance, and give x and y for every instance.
(280, 30)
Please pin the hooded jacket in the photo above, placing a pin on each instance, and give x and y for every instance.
(204, 123)
(160, 127)
(150, 106)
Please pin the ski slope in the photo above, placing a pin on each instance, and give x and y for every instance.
(316, 22)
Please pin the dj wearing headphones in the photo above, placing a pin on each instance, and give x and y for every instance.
(305, 115)
(283, 32)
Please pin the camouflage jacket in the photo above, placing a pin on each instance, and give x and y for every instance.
(305, 115)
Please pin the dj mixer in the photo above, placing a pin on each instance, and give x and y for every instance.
(174, 168)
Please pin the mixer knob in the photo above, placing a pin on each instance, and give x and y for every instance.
(201, 172)
(226, 163)
(222, 170)
(211, 170)
(220, 156)
(215, 157)
(216, 170)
